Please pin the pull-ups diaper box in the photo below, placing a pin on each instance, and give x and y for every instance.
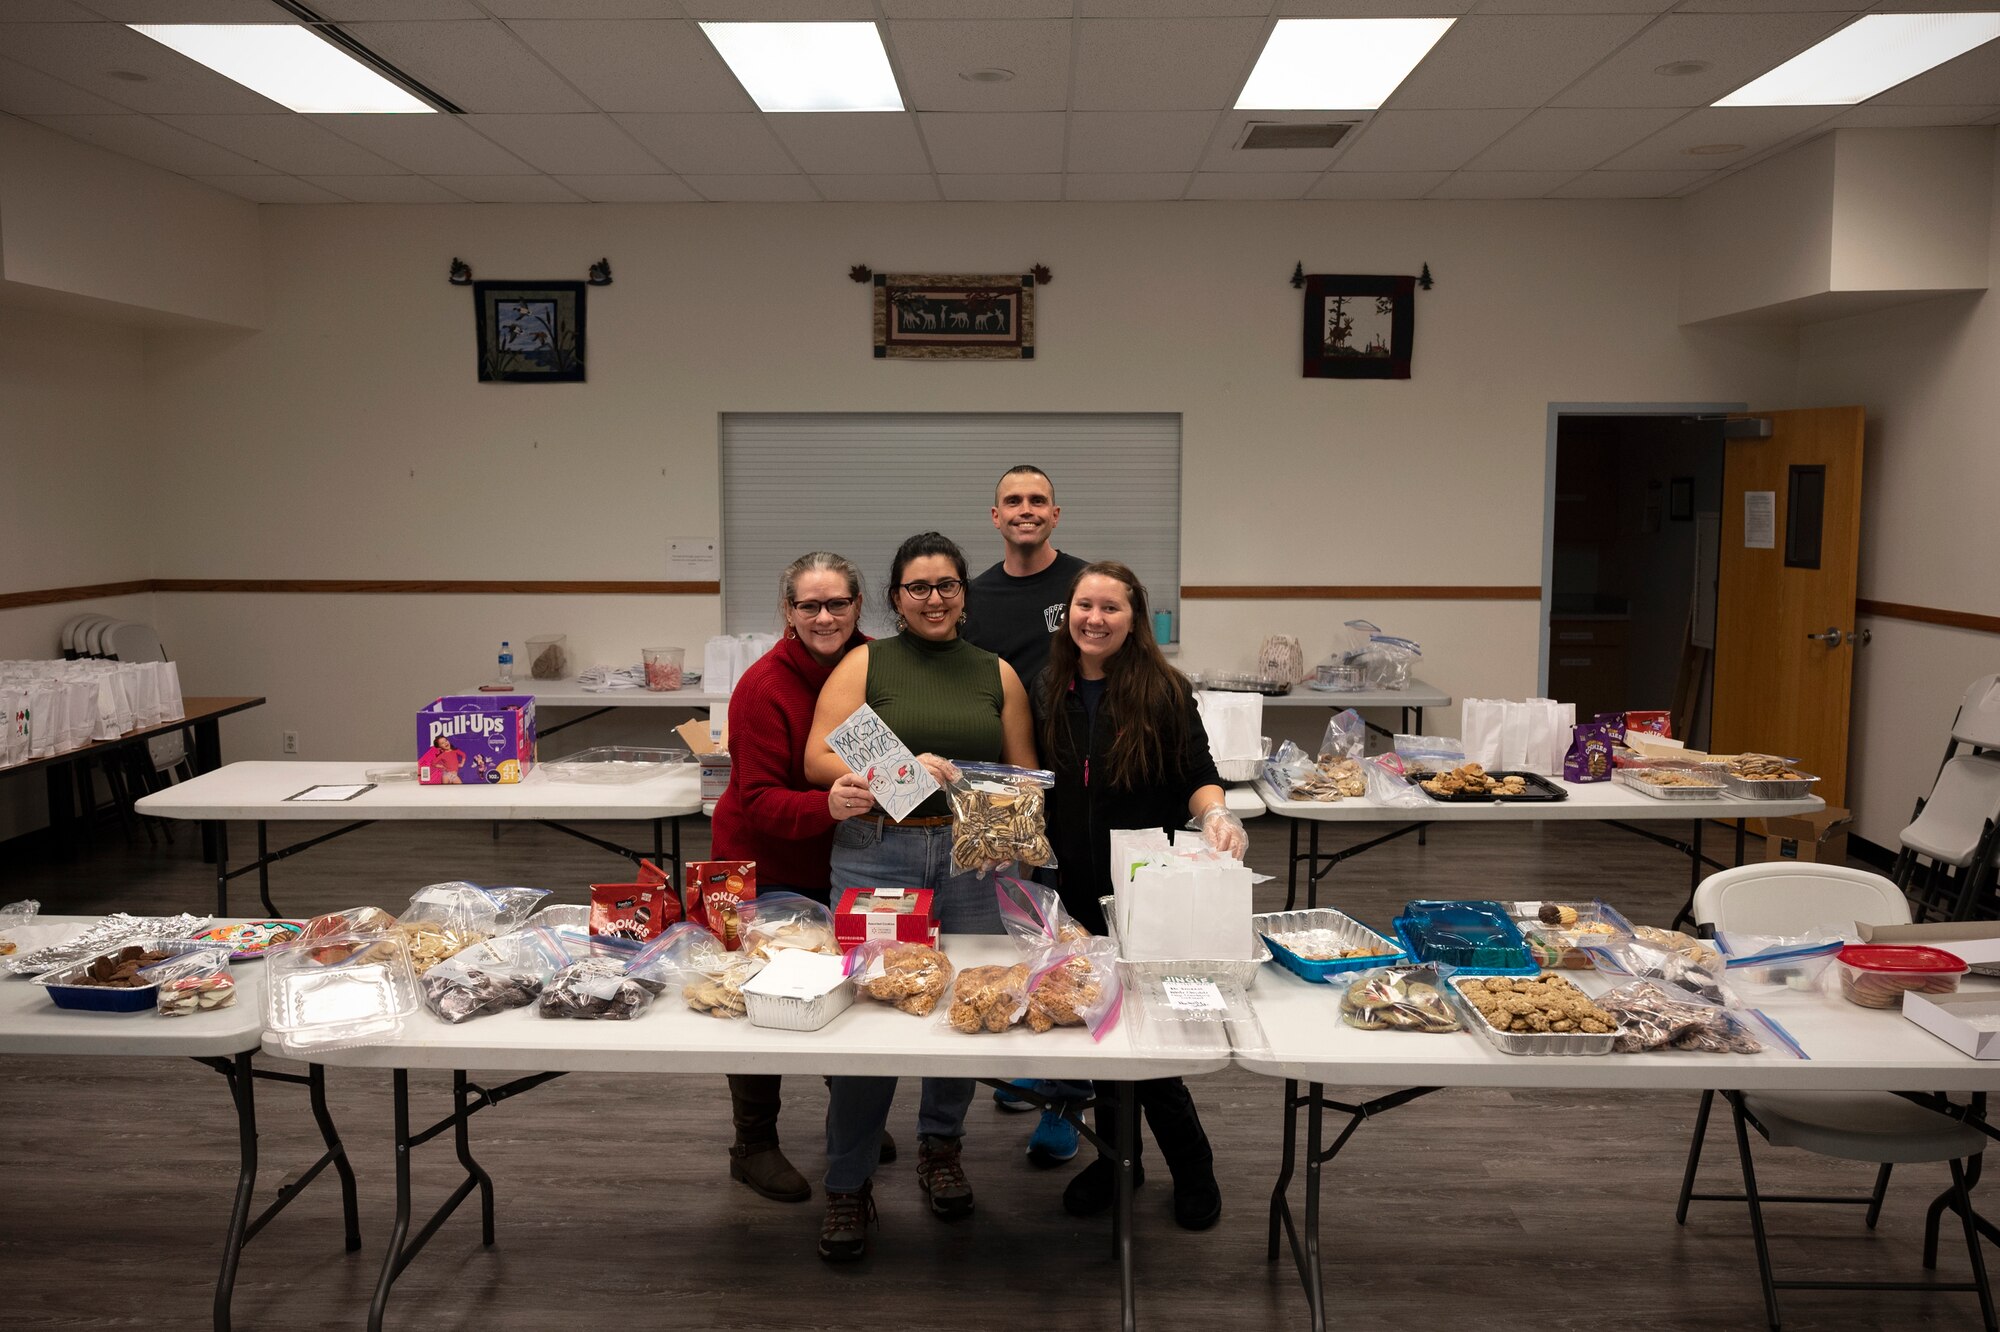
(476, 739)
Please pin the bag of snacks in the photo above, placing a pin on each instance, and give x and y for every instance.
(1589, 756)
(912, 976)
(1346, 736)
(988, 998)
(785, 920)
(1398, 999)
(997, 817)
(193, 982)
(1386, 784)
(715, 891)
(355, 923)
(494, 975)
(1668, 955)
(445, 917)
(1034, 916)
(709, 974)
(1658, 1015)
(1076, 985)
(595, 985)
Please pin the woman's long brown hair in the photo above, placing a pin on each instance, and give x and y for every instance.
(1145, 698)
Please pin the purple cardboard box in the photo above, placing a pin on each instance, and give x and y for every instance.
(469, 739)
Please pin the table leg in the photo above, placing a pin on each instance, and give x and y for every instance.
(677, 848)
(1128, 1150)
(1312, 867)
(392, 1260)
(264, 869)
(1739, 841)
(215, 832)
(461, 1134)
(1310, 1269)
(1292, 859)
(1280, 1202)
(207, 757)
(350, 1207)
(242, 1091)
(62, 805)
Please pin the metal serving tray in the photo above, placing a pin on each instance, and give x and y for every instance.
(1634, 779)
(1795, 788)
(1527, 1042)
(1242, 971)
(1344, 927)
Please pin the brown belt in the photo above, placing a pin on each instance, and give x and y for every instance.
(927, 821)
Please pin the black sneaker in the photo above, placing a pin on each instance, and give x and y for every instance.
(942, 1177)
(1095, 1188)
(843, 1235)
(1197, 1201)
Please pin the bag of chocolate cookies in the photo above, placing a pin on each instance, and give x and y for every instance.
(493, 975)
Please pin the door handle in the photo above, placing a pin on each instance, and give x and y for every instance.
(1832, 638)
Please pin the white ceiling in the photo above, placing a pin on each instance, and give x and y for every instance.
(622, 101)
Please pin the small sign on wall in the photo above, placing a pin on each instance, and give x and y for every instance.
(1760, 520)
(694, 561)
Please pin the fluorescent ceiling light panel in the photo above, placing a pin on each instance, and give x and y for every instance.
(809, 66)
(287, 64)
(1337, 64)
(1866, 57)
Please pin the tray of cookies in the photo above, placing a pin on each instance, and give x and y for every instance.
(1533, 1015)
(1557, 931)
(1766, 777)
(1689, 782)
(1470, 783)
(1320, 944)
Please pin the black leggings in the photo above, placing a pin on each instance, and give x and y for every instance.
(1169, 1112)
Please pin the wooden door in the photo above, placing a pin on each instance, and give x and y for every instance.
(1791, 537)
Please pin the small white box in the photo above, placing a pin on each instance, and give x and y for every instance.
(1975, 942)
(1952, 1017)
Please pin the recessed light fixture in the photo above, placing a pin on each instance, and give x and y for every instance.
(992, 74)
(288, 64)
(1677, 69)
(129, 75)
(809, 66)
(1712, 149)
(1337, 64)
(1874, 53)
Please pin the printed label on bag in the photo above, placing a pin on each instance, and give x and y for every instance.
(1192, 995)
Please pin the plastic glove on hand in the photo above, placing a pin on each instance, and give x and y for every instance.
(1222, 830)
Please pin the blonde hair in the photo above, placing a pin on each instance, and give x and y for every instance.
(811, 562)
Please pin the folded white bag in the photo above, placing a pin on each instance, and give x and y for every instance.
(1234, 722)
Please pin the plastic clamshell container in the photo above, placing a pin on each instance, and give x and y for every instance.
(614, 765)
(1528, 1042)
(1345, 929)
(1238, 683)
(369, 991)
(1750, 788)
(1476, 937)
(1877, 975)
(1242, 971)
(1709, 778)
(65, 991)
(1331, 679)
(795, 994)
(393, 772)
(1561, 946)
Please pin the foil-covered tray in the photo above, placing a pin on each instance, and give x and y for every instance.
(104, 936)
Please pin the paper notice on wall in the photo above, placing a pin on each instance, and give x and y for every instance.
(1760, 520)
(692, 561)
(867, 746)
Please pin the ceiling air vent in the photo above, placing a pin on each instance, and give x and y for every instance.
(1271, 134)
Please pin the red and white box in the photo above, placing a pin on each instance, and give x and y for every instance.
(884, 913)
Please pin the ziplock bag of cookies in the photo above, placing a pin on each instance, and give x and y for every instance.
(1034, 916)
(998, 817)
(1656, 1015)
(912, 976)
(770, 921)
(988, 998)
(493, 975)
(443, 918)
(709, 975)
(1076, 985)
(193, 982)
(363, 922)
(1699, 968)
(595, 986)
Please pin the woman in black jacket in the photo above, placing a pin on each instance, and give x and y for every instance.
(1118, 727)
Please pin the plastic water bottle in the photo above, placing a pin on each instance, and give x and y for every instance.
(506, 664)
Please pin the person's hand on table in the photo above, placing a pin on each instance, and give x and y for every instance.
(1224, 831)
(850, 796)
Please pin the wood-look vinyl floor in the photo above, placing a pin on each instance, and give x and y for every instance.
(1481, 1209)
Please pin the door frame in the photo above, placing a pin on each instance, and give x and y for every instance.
(1558, 410)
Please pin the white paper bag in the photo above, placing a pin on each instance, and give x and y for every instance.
(1482, 718)
(106, 685)
(1234, 722)
(43, 725)
(146, 694)
(1188, 908)
(172, 706)
(1130, 848)
(718, 664)
(13, 726)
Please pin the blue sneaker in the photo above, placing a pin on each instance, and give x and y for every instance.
(1008, 1101)
(1054, 1140)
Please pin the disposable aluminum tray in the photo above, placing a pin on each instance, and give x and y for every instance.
(1344, 927)
(613, 765)
(1237, 683)
(791, 1014)
(1527, 1042)
(1750, 789)
(1243, 972)
(1634, 780)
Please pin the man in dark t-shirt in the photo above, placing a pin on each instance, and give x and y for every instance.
(1017, 605)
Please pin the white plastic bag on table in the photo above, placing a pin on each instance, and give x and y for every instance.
(1346, 736)
(1388, 786)
(1234, 722)
(1034, 916)
(1387, 661)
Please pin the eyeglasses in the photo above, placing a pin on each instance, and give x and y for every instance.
(834, 606)
(948, 588)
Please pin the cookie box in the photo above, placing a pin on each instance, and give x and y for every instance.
(1562, 945)
(1345, 930)
(1528, 1042)
(883, 913)
(798, 991)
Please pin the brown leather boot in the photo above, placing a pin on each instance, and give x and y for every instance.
(764, 1168)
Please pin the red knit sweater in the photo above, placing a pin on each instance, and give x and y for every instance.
(771, 814)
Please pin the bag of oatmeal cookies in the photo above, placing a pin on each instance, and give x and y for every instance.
(912, 976)
(1076, 985)
(987, 998)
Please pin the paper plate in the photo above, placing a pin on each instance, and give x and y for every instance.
(251, 938)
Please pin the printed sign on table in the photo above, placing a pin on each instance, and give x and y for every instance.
(867, 745)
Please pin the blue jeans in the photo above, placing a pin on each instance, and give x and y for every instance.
(874, 853)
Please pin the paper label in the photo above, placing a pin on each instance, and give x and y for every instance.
(881, 925)
(1760, 520)
(1190, 995)
(866, 744)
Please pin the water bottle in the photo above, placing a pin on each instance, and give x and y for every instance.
(506, 664)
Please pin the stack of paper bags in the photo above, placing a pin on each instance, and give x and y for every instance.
(1178, 903)
(1234, 722)
(1502, 735)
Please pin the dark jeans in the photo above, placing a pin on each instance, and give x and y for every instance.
(755, 1098)
(1170, 1113)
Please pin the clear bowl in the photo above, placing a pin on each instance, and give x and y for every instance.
(548, 657)
(665, 668)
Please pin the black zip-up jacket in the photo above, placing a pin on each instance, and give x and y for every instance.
(1084, 808)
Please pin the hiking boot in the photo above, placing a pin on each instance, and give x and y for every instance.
(1197, 1200)
(764, 1168)
(942, 1178)
(888, 1148)
(1095, 1188)
(1054, 1140)
(843, 1235)
(1005, 1098)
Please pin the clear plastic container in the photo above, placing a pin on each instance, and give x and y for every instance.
(1335, 678)
(361, 999)
(548, 657)
(1878, 975)
(664, 668)
(1476, 937)
(611, 765)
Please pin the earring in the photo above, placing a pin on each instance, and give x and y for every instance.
(901, 623)
(791, 632)
(964, 618)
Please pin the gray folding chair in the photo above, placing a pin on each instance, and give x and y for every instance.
(1948, 851)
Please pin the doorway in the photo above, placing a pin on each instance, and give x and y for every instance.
(1632, 535)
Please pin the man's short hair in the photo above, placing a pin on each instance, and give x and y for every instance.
(1019, 469)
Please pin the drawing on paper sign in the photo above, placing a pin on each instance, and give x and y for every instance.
(867, 746)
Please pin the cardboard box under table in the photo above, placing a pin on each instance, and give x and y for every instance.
(1819, 838)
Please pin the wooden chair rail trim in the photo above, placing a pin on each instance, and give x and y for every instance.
(600, 587)
(1896, 610)
(1356, 592)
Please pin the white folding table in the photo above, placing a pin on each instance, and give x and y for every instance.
(567, 693)
(1412, 701)
(223, 1039)
(259, 791)
(869, 1039)
(1850, 1049)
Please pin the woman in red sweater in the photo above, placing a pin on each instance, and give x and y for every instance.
(771, 814)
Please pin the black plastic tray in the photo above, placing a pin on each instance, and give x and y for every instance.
(1540, 791)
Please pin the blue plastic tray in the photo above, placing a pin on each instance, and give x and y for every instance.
(1478, 938)
(1325, 918)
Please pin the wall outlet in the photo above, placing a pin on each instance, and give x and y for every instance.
(291, 742)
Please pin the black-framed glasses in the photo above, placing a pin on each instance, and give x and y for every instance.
(832, 606)
(948, 588)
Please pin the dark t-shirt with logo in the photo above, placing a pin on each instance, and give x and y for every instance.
(1015, 617)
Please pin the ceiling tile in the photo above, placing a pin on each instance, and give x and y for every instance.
(1224, 155)
(632, 65)
(1736, 47)
(930, 57)
(721, 145)
(288, 143)
(975, 9)
(271, 189)
(1631, 184)
(877, 188)
(582, 9)
(998, 188)
(1125, 185)
(1389, 8)
(1500, 184)
(1767, 6)
(385, 189)
(1879, 115)
(507, 189)
(148, 140)
(1426, 140)
(1557, 138)
(1129, 141)
(44, 11)
(860, 143)
(361, 11)
(1516, 60)
(583, 145)
(1252, 184)
(1573, 6)
(1163, 64)
(1970, 80)
(1755, 127)
(1377, 184)
(631, 189)
(190, 11)
(754, 189)
(481, 66)
(779, 11)
(428, 145)
(84, 54)
(29, 92)
(995, 143)
(1147, 9)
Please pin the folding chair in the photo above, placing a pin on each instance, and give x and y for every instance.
(1949, 848)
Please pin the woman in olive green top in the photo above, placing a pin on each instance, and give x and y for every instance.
(942, 697)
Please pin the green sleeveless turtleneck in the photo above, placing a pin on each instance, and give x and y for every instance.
(939, 698)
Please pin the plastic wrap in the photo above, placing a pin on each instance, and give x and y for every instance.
(774, 921)
(911, 976)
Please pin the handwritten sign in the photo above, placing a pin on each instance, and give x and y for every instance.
(867, 745)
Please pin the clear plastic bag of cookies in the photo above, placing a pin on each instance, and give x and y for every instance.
(1076, 985)
(709, 976)
(771, 921)
(1656, 1015)
(988, 999)
(494, 975)
(1034, 916)
(445, 917)
(999, 817)
(912, 976)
